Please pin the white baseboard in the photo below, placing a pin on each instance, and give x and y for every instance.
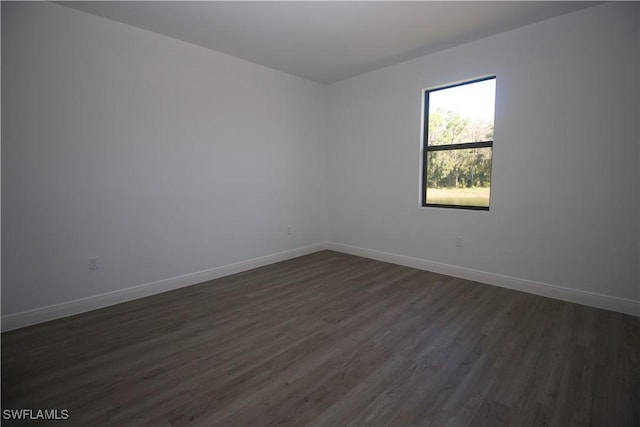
(592, 299)
(57, 311)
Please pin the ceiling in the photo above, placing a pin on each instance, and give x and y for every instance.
(328, 41)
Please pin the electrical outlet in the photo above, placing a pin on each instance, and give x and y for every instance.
(459, 242)
(93, 263)
(289, 230)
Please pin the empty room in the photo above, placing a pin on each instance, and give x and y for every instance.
(320, 213)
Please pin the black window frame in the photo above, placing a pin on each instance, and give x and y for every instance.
(448, 147)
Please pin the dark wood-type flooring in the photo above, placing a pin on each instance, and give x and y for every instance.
(331, 340)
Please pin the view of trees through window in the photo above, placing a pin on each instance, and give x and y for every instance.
(459, 144)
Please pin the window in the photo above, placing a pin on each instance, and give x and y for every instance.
(458, 145)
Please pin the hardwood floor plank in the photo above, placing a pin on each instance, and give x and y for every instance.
(330, 339)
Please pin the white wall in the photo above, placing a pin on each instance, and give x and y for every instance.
(159, 157)
(564, 199)
(165, 159)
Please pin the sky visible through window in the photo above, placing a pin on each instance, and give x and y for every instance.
(473, 101)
